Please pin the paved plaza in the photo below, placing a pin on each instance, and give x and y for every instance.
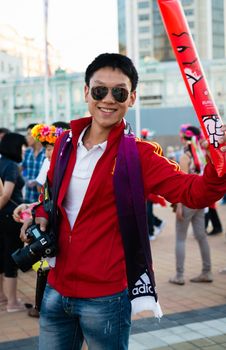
(194, 314)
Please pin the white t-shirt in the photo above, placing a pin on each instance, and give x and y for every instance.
(41, 178)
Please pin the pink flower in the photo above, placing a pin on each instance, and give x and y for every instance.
(45, 130)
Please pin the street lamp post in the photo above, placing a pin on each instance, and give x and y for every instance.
(137, 64)
(46, 77)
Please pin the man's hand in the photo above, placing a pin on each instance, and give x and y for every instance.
(179, 212)
(17, 213)
(42, 222)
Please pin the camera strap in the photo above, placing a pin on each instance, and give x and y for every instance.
(51, 195)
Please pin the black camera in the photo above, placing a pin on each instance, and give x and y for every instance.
(41, 245)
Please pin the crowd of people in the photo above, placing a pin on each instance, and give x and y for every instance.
(100, 179)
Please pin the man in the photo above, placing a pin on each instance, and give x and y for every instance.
(31, 165)
(86, 296)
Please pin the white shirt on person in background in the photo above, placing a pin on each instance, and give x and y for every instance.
(41, 178)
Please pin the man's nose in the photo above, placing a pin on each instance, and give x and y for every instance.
(109, 96)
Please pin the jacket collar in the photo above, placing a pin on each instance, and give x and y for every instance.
(78, 125)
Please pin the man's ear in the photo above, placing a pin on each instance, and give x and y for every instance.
(132, 98)
(86, 92)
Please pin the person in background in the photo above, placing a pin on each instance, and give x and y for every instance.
(62, 125)
(155, 225)
(89, 294)
(212, 216)
(11, 155)
(223, 201)
(1, 187)
(191, 163)
(59, 128)
(47, 135)
(3, 131)
(31, 165)
(170, 153)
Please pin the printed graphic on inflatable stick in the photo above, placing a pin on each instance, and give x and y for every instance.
(190, 66)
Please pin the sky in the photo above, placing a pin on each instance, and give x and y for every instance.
(79, 29)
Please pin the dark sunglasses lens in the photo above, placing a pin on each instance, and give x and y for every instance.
(99, 92)
(120, 94)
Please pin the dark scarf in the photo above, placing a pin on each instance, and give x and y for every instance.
(130, 202)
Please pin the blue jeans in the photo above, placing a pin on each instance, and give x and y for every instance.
(103, 322)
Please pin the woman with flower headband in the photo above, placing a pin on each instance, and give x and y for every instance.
(47, 135)
(192, 161)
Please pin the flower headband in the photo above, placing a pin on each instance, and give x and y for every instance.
(45, 133)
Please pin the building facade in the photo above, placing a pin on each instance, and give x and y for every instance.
(10, 66)
(161, 86)
(141, 19)
(22, 101)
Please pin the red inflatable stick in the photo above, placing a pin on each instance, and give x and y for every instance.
(187, 57)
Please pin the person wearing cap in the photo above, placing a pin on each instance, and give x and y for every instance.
(103, 267)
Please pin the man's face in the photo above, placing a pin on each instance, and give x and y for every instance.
(29, 138)
(108, 112)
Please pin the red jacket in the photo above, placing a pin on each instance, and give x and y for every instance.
(90, 261)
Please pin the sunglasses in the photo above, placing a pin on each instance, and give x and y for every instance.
(99, 92)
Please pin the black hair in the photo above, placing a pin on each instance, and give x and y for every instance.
(4, 130)
(113, 60)
(11, 146)
(195, 130)
(30, 126)
(62, 125)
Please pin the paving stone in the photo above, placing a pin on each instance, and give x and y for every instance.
(220, 338)
(190, 335)
(148, 340)
(133, 345)
(203, 342)
(184, 346)
(209, 332)
(214, 347)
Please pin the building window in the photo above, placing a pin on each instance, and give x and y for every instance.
(61, 96)
(191, 24)
(187, 2)
(144, 43)
(19, 100)
(144, 29)
(143, 5)
(189, 12)
(144, 17)
(28, 98)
